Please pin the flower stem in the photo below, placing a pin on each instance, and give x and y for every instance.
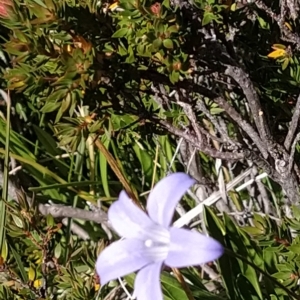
(235, 255)
(181, 280)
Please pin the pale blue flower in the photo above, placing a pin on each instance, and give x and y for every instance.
(149, 240)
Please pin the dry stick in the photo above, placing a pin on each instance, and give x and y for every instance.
(288, 35)
(192, 139)
(283, 9)
(198, 129)
(201, 106)
(293, 126)
(114, 293)
(62, 211)
(281, 164)
(113, 164)
(76, 229)
(291, 158)
(248, 129)
(191, 116)
(242, 78)
(293, 7)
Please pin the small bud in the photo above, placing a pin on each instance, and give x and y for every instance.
(5, 8)
(156, 8)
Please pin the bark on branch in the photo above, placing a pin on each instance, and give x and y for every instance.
(62, 211)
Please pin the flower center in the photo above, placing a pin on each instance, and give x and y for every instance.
(157, 242)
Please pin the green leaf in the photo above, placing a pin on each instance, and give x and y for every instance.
(57, 95)
(168, 44)
(41, 3)
(295, 248)
(228, 266)
(17, 221)
(285, 63)
(245, 289)
(122, 50)
(173, 29)
(157, 44)
(4, 251)
(171, 288)
(58, 251)
(263, 23)
(241, 242)
(50, 107)
(19, 263)
(103, 167)
(50, 221)
(207, 18)
(65, 104)
(145, 161)
(31, 273)
(120, 33)
(47, 140)
(216, 110)
(253, 230)
(174, 76)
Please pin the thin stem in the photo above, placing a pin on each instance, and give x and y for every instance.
(183, 284)
(155, 167)
(6, 97)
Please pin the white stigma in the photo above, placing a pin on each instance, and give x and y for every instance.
(148, 243)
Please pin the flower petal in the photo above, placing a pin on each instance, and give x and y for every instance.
(127, 219)
(166, 195)
(147, 283)
(121, 258)
(190, 248)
